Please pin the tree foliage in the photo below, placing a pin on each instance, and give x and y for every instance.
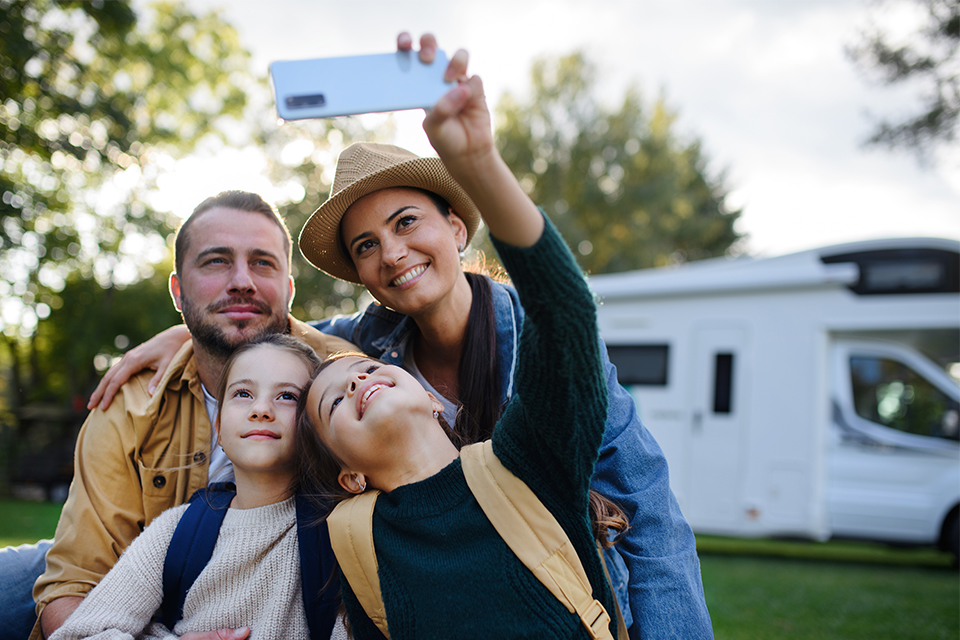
(93, 96)
(929, 58)
(620, 185)
(92, 93)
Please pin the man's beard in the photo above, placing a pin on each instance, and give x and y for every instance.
(212, 338)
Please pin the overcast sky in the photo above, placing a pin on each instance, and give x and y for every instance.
(766, 86)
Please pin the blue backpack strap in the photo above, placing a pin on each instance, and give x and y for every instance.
(192, 546)
(319, 574)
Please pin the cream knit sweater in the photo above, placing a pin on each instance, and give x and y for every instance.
(252, 580)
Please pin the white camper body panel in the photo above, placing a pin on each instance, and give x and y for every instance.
(760, 466)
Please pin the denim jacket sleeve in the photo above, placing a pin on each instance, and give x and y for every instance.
(665, 589)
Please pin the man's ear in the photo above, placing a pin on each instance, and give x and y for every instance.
(175, 290)
(293, 292)
(352, 481)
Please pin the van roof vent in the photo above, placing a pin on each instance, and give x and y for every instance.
(898, 271)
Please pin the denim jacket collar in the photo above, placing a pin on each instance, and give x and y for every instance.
(385, 334)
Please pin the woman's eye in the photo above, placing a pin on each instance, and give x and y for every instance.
(365, 246)
(405, 221)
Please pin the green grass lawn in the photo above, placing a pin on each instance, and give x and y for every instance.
(793, 590)
(24, 521)
(759, 589)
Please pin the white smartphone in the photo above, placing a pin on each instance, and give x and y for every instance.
(328, 87)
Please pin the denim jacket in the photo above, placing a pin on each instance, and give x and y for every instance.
(657, 570)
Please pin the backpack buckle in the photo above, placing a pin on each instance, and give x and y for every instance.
(599, 627)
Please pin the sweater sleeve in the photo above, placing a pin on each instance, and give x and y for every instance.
(551, 430)
(122, 605)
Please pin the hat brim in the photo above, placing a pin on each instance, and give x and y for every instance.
(320, 240)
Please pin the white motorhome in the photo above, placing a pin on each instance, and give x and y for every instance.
(802, 395)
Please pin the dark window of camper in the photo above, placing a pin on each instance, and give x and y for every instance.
(723, 383)
(890, 393)
(640, 364)
(903, 271)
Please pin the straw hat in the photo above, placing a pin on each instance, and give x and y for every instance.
(363, 168)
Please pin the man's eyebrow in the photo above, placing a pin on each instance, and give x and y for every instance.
(387, 221)
(263, 252)
(228, 251)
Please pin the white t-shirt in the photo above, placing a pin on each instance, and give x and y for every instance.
(221, 469)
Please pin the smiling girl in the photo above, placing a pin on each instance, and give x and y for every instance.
(253, 577)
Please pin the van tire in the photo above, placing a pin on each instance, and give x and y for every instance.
(951, 536)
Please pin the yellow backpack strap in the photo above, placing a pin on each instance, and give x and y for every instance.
(351, 536)
(534, 535)
(621, 623)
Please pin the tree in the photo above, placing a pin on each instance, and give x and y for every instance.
(92, 95)
(620, 186)
(929, 58)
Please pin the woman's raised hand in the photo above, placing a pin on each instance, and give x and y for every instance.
(459, 128)
(459, 125)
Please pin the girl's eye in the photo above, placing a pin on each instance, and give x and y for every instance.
(241, 393)
(334, 404)
(371, 369)
(288, 395)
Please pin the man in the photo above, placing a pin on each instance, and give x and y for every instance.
(145, 454)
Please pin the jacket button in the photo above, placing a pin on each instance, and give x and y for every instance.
(393, 354)
(159, 481)
(199, 457)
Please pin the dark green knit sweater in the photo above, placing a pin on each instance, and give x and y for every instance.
(445, 573)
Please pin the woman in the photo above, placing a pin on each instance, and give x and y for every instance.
(439, 323)
(444, 570)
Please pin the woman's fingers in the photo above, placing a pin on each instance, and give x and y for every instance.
(457, 68)
(428, 48)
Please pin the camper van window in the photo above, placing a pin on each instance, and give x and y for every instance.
(723, 383)
(890, 393)
(644, 364)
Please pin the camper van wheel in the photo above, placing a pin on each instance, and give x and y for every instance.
(951, 536)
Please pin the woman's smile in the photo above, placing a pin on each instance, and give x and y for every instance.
(409, 276)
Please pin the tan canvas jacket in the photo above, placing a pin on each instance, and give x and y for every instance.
(133, 461)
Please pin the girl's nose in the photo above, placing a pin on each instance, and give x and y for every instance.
(355, 380)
